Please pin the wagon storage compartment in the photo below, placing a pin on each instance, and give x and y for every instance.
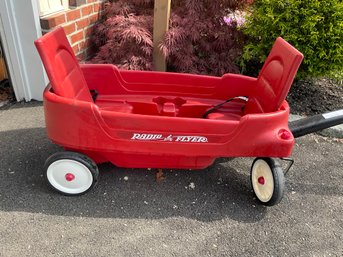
(172, 106)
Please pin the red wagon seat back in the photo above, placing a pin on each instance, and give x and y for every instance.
(62, 67)
(275, 78)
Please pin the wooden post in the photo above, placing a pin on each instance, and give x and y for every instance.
(161, 25)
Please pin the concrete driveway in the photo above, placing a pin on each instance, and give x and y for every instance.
(140, 217)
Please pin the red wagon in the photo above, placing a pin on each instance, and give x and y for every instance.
(144, 119)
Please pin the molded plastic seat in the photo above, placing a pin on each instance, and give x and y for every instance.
(117, 107)
(275, 78)
(64, 72)
(230, 111)
(62, 67)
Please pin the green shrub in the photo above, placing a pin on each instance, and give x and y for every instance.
(314, 27)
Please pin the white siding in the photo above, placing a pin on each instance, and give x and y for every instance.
(19, 27)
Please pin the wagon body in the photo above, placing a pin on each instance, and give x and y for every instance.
(132, 134)
(153, 119)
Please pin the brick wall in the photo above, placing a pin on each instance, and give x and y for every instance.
(78, 23)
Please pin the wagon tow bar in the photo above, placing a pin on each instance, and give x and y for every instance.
(315, 123)
(310, 125)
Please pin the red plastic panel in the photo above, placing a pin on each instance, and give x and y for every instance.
(275, 78)
(109, 80)
(180, 142)
(63, 70)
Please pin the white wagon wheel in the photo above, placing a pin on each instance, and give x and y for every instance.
(267, 180)
(71, 173)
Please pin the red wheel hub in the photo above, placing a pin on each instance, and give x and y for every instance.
(70, 177)
(260, 180)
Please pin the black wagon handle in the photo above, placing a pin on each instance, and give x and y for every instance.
(316, 123)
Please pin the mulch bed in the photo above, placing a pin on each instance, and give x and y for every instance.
(6, 92)
(310, 97)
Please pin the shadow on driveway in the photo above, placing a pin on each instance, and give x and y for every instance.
(221, 191)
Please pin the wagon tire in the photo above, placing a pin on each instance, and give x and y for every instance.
(71, 173)
(267, 181)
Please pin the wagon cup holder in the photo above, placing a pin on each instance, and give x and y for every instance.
(168, 106)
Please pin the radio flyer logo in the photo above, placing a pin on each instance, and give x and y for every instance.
(170, 138)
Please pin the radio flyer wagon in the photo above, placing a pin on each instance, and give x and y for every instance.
(144, 119)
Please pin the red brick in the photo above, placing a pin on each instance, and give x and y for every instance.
(77, 2)
(73, 14)
(96, 7)
(82, 45)
(76, 48)
(93, 18)
(88, 31)
(86, 10)
(76, 37)
(91, 1)
(70, 28)
(52, 21)
(82, 23)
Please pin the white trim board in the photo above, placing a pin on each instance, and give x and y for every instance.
(19, 27)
